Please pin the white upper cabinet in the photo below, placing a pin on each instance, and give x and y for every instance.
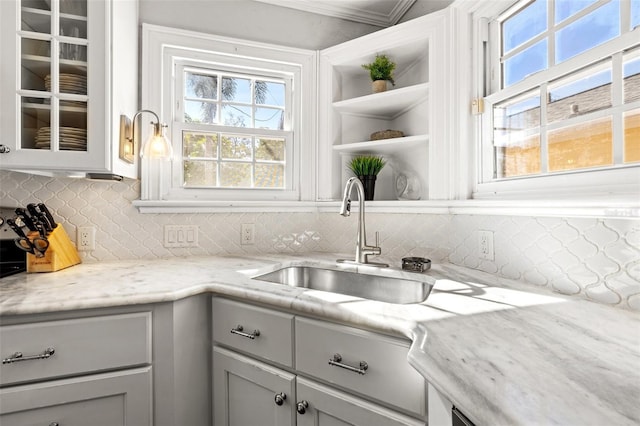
(69, 69)
(350, 113)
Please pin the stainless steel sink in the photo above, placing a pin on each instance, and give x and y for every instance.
(373, 287)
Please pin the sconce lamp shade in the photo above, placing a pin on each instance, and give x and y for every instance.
(157, 146)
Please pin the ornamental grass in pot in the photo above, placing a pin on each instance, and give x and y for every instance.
(367, 167)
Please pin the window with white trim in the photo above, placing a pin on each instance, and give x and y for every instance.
(234, 127)
(563, 104)
(240, 115)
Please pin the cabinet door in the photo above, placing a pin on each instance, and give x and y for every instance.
(244, 392)
(329, 407)
(113, 399)
(56, 91)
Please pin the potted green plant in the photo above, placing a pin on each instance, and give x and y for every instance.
(381, 71)
(367, 167)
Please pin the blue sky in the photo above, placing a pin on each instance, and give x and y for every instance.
(240, 115)
(591, 30)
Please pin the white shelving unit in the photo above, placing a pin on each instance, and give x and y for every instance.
(349, 113)
(384, 146)
(391, 103)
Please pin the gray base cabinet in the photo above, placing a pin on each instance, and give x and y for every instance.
(135, 365)
(89, 370)
(273, 368)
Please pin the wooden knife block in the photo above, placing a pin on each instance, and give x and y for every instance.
(60, 254)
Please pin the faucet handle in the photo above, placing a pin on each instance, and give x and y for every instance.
(377, 250)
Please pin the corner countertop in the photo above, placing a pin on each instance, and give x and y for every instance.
(504, 352)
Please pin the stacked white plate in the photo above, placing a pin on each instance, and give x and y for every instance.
(71, 139)
(69, 83)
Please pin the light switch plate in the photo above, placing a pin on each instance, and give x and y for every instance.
(180, 236)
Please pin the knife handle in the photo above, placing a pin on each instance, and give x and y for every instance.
(22, 214)
(13, 225)
(33, 210)
(48, 214)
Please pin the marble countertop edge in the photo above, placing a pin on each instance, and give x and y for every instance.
(477, 338)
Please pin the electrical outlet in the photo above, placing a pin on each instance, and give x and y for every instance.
(180, 236)
(485, 245)
(86, 238)
(247, 234)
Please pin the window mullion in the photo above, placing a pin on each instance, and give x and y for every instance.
(551, 34)
(252, 87)
(219, 101)
(544, 146)
(524, 46)
(617, 99)
(253, 161)
(219, 160)
(579, 15)
(495, 71)
(625, 16)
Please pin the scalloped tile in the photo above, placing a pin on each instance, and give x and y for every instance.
(601, 235)
(603, 265)
(582, 248)
(633, 269)
(564, 285)
(603, 294)
(595, 258)
(622, 253)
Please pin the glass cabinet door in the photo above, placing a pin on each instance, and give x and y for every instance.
(53, 75)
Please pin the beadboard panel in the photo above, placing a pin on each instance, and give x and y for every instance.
(597, 259)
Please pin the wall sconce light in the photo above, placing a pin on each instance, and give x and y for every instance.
(157, 146)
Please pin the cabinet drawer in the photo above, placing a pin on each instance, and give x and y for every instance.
(264, 333)
(387, 377)
(110, 399)
(79, 346)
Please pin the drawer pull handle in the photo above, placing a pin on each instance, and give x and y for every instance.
(54, 424)
(239, 332)
(280, 397)
(337, 358)
(301, 407)
(17, 357)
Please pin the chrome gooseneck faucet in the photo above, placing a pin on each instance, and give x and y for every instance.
(362, 249)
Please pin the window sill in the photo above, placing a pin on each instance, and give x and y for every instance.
(535, 208)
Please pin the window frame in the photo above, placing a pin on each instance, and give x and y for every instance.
(164, 47)
(619, 182)
(182, 65)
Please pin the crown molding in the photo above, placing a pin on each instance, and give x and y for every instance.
(374, 12)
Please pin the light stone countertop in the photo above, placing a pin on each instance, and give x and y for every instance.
(504, 352)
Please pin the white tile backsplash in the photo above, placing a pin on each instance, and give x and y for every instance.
(598, 259)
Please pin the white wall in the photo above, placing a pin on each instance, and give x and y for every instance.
(424, 7)
(253, 21)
